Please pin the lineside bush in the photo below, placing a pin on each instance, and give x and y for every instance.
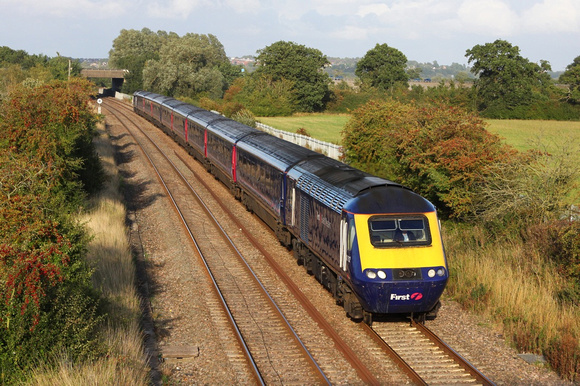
(47, 303)
(440, 151)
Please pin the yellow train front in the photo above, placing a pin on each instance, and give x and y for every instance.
(395, 250)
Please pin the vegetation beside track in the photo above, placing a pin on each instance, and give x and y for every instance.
(66, 315)
(526, 281)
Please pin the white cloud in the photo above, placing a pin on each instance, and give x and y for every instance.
(173, 9)
(100, 9)
(488, 17)
(552, 16)
(373, 9)
(351, 33)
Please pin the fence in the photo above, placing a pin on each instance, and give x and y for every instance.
(329, 149)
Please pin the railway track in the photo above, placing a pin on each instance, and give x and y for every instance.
(282, 357)
(423, 356)
(274, 351)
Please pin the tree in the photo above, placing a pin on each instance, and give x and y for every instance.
(298, 64)
(383, 67)
(63, 68)
(132, 49)
(262, 96)
(441, 152)
(572, 77)
(505, 80)
(188, 66)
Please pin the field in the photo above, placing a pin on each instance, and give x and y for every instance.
(325, 127)
(521, 134)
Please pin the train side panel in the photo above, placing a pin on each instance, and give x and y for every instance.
(260, 179)
(197, 122)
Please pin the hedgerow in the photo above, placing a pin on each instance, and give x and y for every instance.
(47, 303)
(440, 151)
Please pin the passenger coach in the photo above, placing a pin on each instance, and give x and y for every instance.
(374, 244)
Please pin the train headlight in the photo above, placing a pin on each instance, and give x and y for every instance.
(382, 275)
(441, 272)
(371, 274)
(431, 273)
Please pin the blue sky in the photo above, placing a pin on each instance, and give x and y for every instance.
(424, 30)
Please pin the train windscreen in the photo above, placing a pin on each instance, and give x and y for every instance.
(390, 231)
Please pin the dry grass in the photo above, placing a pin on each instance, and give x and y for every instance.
(110, 255)
(516, 288)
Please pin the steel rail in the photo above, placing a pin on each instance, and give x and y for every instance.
(399, 361)
(236, 250)
(237, 332)
(464, 363)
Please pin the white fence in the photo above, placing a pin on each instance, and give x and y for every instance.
(329, 149)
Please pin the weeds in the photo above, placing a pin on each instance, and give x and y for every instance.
(519, 288)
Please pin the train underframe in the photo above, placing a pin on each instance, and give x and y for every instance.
(313, 265)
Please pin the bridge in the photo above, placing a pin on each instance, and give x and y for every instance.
(117, 76)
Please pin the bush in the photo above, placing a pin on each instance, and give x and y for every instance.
(441, 152)
(263, 96)
(245, 116)
(47, 304)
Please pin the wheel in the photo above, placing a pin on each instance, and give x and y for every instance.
(432, 314)
(419, 317)
(368, 318)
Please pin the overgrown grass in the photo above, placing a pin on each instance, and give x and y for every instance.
(517, 288)
(110, 255)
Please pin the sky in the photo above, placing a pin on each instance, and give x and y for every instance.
(423, 30)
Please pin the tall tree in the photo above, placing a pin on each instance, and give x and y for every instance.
(571, 77)
(188, 66)
(301, 65)
(505, 80)
(383, 67)
(131, 50)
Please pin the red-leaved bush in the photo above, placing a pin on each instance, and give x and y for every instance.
(441, 152)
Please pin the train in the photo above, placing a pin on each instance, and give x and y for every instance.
(373, 243)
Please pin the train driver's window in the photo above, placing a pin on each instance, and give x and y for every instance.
(391, 231)
(382, 230)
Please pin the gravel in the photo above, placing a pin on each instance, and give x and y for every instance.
(177, 295)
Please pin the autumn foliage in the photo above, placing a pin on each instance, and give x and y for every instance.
(440, 151)
(47, 304)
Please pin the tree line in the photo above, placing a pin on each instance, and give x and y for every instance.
(290, 77)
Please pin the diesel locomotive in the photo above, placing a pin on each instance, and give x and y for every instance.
(374, 244)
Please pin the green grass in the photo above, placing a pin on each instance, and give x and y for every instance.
(524, 134)
(521, 134)
(325, 127)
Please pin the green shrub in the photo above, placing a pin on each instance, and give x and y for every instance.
(439, 151)
(47, 304)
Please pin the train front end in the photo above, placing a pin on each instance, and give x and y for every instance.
(397, 260)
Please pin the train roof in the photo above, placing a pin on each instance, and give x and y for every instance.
(332, 182)
(343, 176)
(388, 199)
(229, 129)
(335, 183)
(276, 151)
(185, 109)
(203, 117)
